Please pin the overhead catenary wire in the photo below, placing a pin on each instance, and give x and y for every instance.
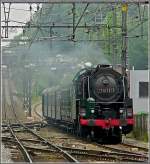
(12, 8)
(44, 30)
(10, 20)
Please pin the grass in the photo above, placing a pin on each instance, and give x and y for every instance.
(135, 134)
(36, 99)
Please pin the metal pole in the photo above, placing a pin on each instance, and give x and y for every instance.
(81, 17)
(109, 41)
(55, 104)
(73, 12)
(6, 15)
(114, 23)
(47, 104)
(51, 105)
(50, 37)
(60, 101)
(29, 91)
(124, 38)
(3, 96)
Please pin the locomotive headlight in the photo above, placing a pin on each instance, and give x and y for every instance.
(121, 111)
(92, 111)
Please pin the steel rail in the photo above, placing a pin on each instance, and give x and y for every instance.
(10, 139)
(135, 146)
(25, 153)
(77, 1)
(97, 152)
(100, 155)
(36, 111)
(117, 150)
(78, 153)
(28, 124)
(110, 157)
(66, 154)
(74, 150)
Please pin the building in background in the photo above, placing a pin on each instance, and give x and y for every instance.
(139, 81)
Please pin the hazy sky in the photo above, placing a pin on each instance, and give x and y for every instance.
(19, 13)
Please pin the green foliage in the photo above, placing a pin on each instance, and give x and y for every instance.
(138, 50)
(136, 134)
(36, 99)
(137, 46)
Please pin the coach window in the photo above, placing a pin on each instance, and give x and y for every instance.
(143, 89)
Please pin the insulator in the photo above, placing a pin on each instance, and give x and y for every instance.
(38, 7)
(23, 31)
(30, 7)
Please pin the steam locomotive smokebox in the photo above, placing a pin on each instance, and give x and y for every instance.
(106, 84)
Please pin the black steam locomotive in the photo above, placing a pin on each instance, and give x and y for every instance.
(96, 105)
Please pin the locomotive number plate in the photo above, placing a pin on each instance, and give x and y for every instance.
(123, 122)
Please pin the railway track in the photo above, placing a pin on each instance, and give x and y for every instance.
(22, 144)
(123, 150)
(89, 154)
(135, 146)
(115, 155)
(36, 111)
(7, 121)
(116, 148)
(98, 155)
(27, 157)
(111, 155)
(129, 154)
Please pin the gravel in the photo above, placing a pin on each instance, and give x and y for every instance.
(6, 155)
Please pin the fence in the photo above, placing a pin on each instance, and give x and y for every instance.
(141, 126)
